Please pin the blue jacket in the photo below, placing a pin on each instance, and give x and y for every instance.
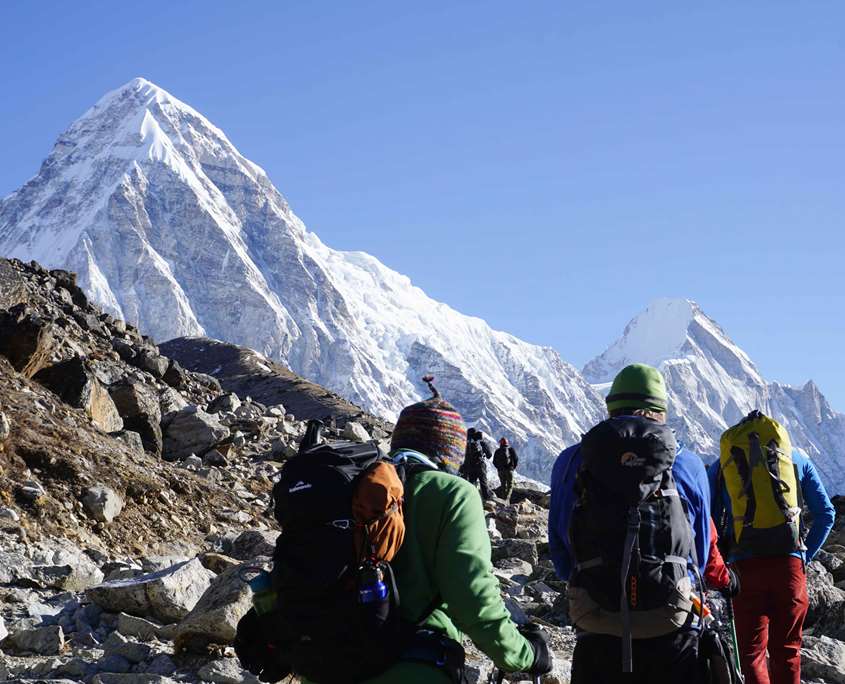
(690, 478)
(815, 498)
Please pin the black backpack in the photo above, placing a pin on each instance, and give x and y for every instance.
(629, 534)
(474, 458)
(320, 627)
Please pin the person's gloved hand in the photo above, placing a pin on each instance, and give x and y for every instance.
(539, 641)
(253, 651)
(734, 586)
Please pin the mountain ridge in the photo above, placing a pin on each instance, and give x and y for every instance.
(712, 384)
(171, 228)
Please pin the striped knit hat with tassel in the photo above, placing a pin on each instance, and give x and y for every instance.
(433, 427)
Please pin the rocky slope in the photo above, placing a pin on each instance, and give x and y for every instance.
(713, 383)
(169, 227)
(133, 492)
(249, 374)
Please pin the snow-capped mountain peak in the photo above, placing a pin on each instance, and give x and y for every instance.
(712, 384)
(171, 228)
(669, 329)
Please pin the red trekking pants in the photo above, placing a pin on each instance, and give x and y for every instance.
(770, 613)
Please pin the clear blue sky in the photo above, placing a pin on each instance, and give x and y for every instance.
(549, 166)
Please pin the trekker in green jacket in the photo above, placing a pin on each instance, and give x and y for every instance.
(445, 558)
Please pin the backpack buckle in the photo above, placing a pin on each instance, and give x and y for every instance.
(344, 524)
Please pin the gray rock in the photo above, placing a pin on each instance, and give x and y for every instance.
(192, 430)
(251, 544)
(75, 384)
(823, 594)
(225, 402)
(48, 640)
(119, 645)
(131, 625)
(515, 548)
(513, 569)
(131, 438)
(167, 595)
(76, 576)
(112, 662)
(27, 340)
(823, 657)
(161, 665)
(355, 432)
(171, 401)
(139, 407)
(152, 362)
(215, 617)
(102, 503)
(226, 671)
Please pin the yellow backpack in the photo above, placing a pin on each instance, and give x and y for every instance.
(763, 486)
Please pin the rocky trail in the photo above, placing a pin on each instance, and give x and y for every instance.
(134, 490)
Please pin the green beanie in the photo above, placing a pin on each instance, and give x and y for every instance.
(638, 386)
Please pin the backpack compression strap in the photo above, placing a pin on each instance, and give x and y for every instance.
(632, 544)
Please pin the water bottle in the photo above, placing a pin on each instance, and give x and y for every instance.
(263, 596)
(371, 585)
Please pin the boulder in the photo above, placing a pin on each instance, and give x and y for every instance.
(215, 617)
(76, 576)
(823, 658)
(64, 566)
(140, 628)
(170, 402)
(822, 593)
(139, 407)
(513, 569)
(225, 402)
(355, 432)
(167, 595)
(251, 544)
(150, 361)
(118, 645)
(76, 384)
(192, 431)
(27, 340)
(102, 503)
(515, 548)
(175, 376)
(48, 640)
(226, 671)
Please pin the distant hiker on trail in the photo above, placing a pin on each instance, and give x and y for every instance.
(424, 574)
(759, 487)
(505, 461)
(630, 507)
(474, 468)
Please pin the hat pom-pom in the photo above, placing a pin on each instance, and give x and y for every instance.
(429, 380)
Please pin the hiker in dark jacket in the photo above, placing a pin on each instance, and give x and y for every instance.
(671, 657)
(770, 610)
(474, 468)
(505, 461)
(444, 560)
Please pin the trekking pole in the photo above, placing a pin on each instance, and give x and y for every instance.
(734, 642)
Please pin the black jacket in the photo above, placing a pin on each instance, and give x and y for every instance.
(505, 458)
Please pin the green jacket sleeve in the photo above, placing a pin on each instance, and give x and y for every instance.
(463, 573)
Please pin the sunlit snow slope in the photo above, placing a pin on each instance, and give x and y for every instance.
(169, 227)
(712, 384)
